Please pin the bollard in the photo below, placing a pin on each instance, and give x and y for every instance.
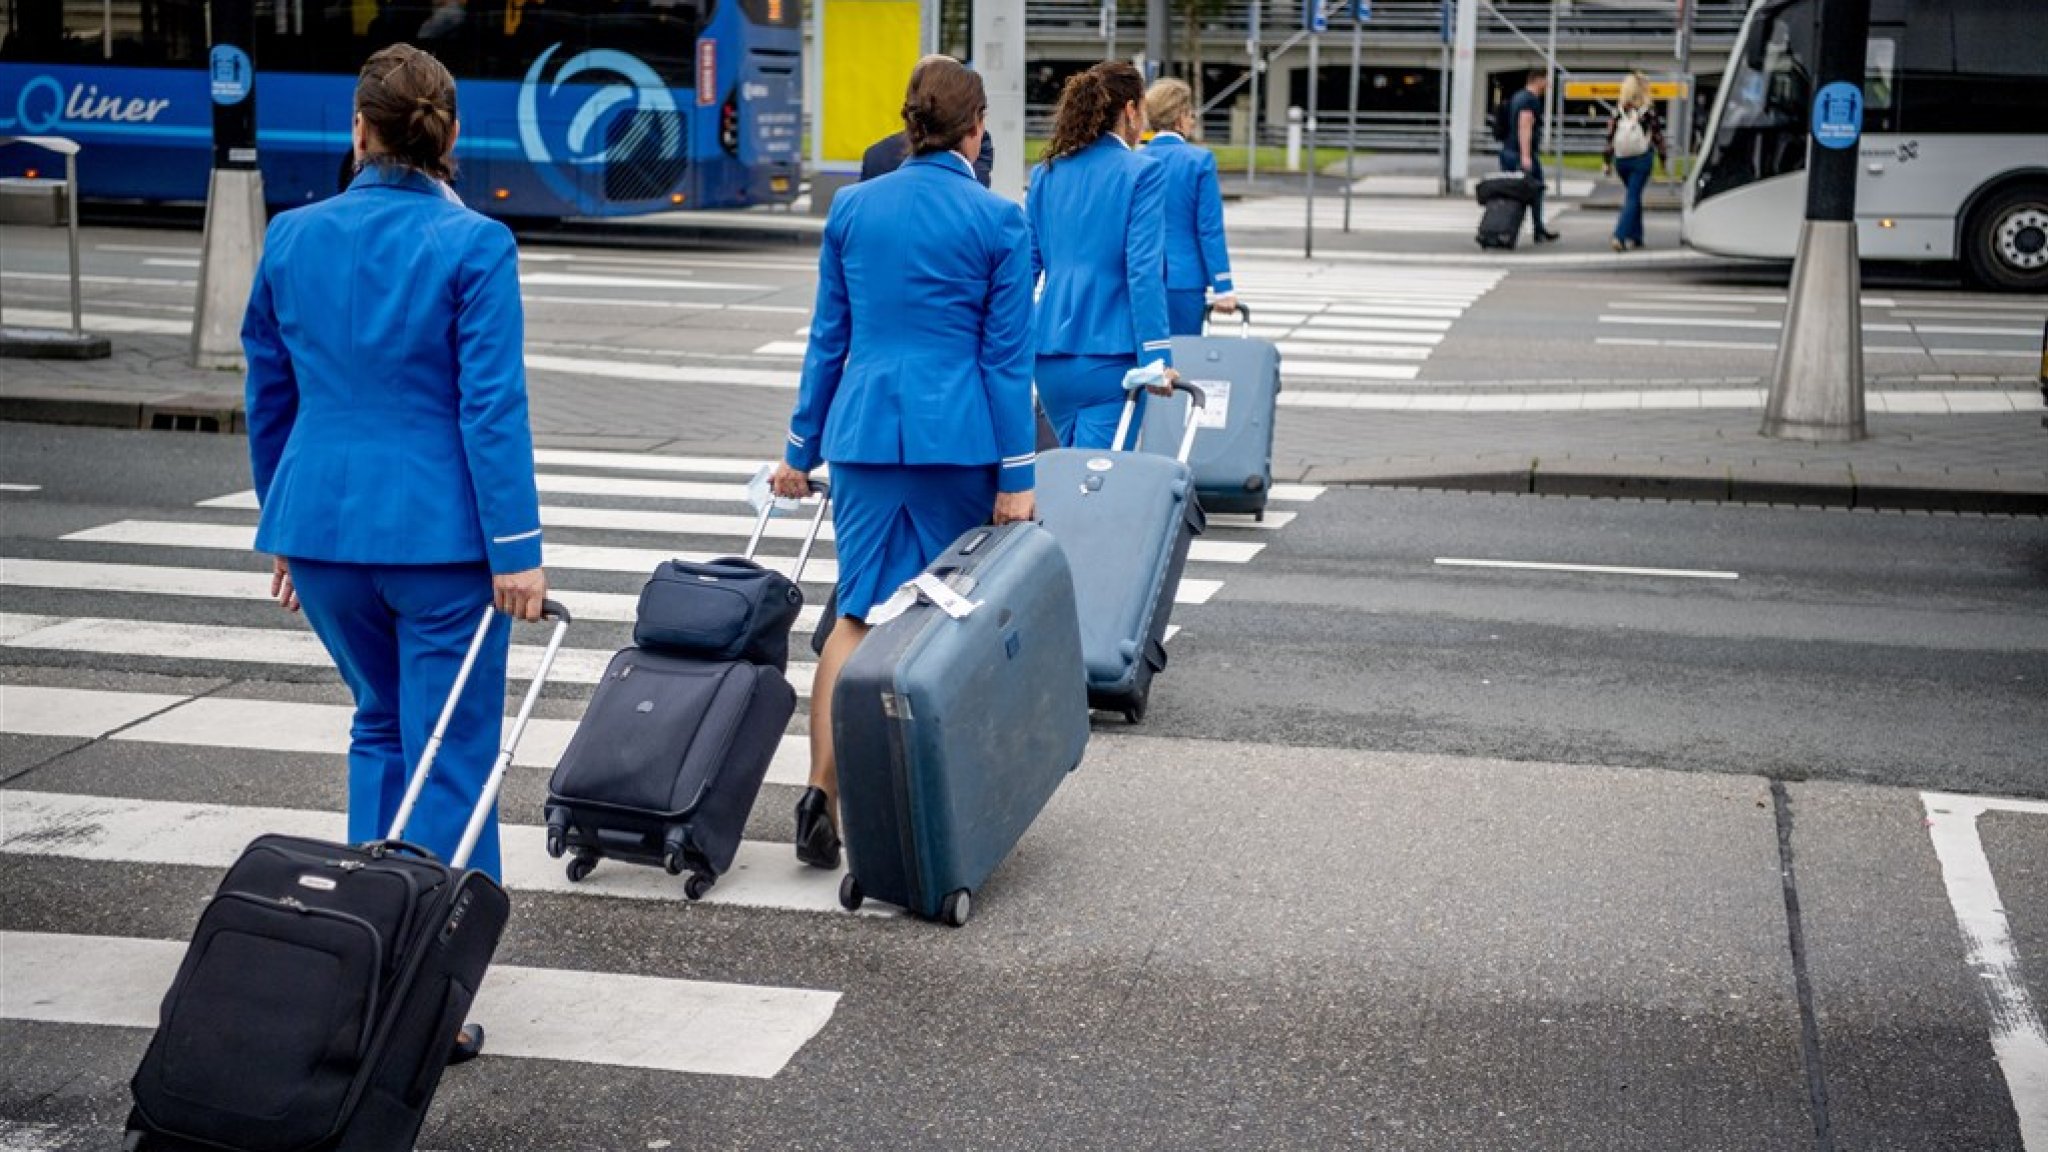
(1294, 119)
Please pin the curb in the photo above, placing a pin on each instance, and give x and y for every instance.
(1893, 491)
(1839, 487)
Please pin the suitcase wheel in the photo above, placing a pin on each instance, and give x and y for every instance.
(673, 861)
(557, 843)
(850, 895)
(1259, 517)
(581, 866)
(697, 885)
(957, 907)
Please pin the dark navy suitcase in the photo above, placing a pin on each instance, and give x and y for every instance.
(1504, 199)
(1125, 520)
(956, 720)
(669, 756)
(320, 997)
(1232, 458)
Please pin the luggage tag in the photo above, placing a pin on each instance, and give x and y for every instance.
(928, 588)
(759, 494)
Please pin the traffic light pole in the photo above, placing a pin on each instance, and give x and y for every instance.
(1817, 382)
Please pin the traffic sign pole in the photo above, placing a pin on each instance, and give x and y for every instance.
(235, 217)
(1817, 381)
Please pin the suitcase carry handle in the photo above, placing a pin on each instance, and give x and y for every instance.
(1197, 400)
(822, 489)
(550, 609)
(1244, 320)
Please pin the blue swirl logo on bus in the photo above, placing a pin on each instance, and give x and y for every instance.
(590, 139)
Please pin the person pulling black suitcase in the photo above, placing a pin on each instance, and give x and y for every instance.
(320, 997)
(670, 754)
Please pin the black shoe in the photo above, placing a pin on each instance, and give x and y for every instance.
(469, 1044)
(1546, 237)
(817, 843)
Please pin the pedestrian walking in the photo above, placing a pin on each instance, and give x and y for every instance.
(393, 460)
(1635, 144)
(916, 386)
(1197, 257)
(1521, 144)
(1097, 209)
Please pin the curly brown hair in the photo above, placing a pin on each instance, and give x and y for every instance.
(1089, 106)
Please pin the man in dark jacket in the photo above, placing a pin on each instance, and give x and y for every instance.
(884, 155)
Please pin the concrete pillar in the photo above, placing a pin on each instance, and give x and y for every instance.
(227, 265)
(1464, 82)
(999, 58)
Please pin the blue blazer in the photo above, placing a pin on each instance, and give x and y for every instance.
(1098, 235)
(386, 388)
(1196, 256)
(920, 347)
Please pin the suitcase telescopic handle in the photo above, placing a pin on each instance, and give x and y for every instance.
(1197, 400)
(822, 489)
(550, 610)
(1244, 320)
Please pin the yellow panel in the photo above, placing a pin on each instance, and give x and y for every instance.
(1611, 90)
(870, 47)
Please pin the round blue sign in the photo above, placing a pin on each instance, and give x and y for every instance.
(230, 73)
(1838, 115)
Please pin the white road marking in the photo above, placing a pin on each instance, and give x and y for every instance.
(1274, 521)
(2018, 1038)
(148, 249)
(175, 833)
(100, 322)
(796, 349)
(672, 305)
(1365, 322)
(1345, 370)
(31, 711)
(234, 584)
(171, 262)
(1719, 322)
(1352, 335)
(1596, 569)
(1672, 306)
(1292, 352)
(580, 280)
(646, 462)
(661, 373)
(621, 1020)
(1899, 403)
(1294, 494)
(21, 487)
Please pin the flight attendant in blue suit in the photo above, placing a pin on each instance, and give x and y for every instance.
(917, 384)
(388, 435)
(1197, 261)
(1098, 234)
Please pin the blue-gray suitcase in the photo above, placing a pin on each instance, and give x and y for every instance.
(955, 721)
(1125, 520)
(1232, 459)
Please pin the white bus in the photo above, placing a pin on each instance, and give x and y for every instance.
(1953, 164)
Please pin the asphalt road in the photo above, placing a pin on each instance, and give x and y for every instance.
(1406, 856)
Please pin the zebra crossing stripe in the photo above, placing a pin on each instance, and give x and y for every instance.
(645, 462)
(87, 714)
(174, 833)
(252, 584)
(661, 373)
(621, 1020)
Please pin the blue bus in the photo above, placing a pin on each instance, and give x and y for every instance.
(568, 107)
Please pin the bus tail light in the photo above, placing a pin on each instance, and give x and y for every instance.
(502, 194)
(676, 199)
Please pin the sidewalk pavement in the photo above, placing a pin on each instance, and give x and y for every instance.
(1989, 463)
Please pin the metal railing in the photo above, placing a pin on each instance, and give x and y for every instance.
(1588, 20)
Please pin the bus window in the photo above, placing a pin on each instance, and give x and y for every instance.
(1880, 83)
(1764, 123)
(2002, 63)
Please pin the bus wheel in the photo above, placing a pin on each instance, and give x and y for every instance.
(2006, 244)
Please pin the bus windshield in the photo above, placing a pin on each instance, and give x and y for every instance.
(1763, 124)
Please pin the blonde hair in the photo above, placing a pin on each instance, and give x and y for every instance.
(1166, 102)
(1635, 90)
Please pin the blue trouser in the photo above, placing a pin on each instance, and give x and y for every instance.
(398, 634)
(1511, 161)
(1184, 310)
(1635, 173)
(1083, 397)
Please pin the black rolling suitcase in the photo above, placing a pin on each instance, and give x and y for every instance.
(1504, 200)
(325, 983)
(670, 754)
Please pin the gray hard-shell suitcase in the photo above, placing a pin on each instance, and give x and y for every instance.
(325, 982)
(1125, 520)
(669, 756)
(1232, 458)
(956, 720)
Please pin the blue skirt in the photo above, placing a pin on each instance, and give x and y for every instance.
(1083, 397)
(891, 520)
